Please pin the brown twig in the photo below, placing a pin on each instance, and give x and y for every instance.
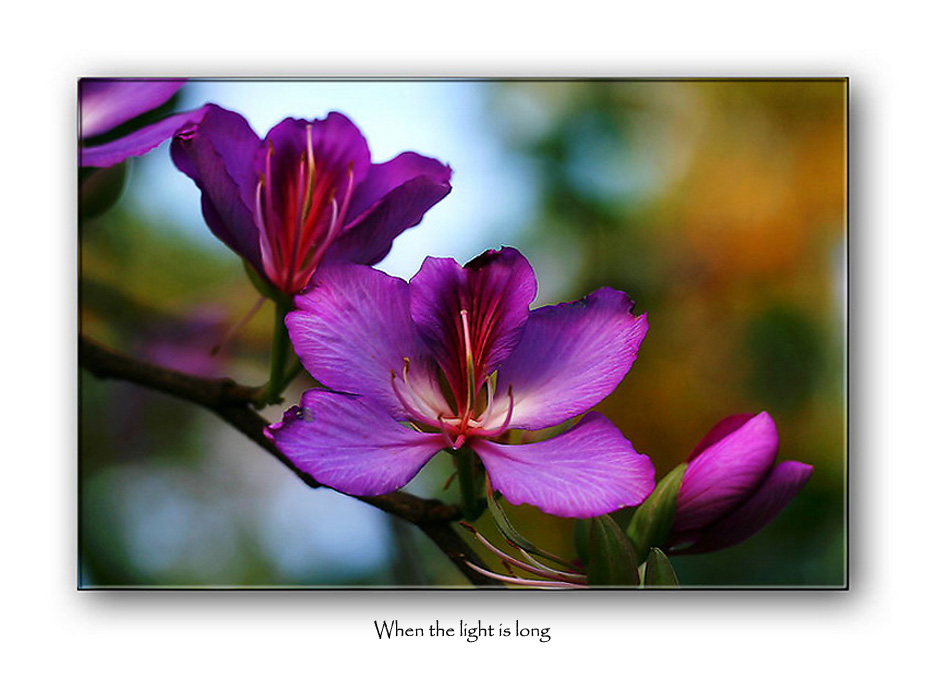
(233, 403)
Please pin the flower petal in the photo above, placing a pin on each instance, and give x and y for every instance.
(776, 491)
(352, 330)
(384, 178)
(495, 289)
(139, 142)
(587, 471)
(726, 473)
(219, 155)
(571, 357)
(351, 444)
(393, 197)
(106, 103)
(719, 432)
(340, 148)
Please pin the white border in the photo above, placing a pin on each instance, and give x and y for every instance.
(869, 630)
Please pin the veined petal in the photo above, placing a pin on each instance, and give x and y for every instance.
(219, 156)
(393, 197)
(340, 147)
(353, 332)
(139, 142)
(351, 444)
(107, 103)
(384, 178)
(589, 470)
(571, 357)
(725, 473)
(723, 428)
(495, 289)
(776, 491)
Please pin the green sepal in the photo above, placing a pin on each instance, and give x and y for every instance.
(652, 521)
(659, 572)
(263, 286)
(612, 558)
(513, 536)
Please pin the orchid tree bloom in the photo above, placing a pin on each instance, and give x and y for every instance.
(455, 359)
(732, 488)
(105, 104)
(308, 193)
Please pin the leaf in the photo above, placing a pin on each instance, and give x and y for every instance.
(659, 571)
(612, 558)
(652, 521)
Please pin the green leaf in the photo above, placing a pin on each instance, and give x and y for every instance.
(659, 571)
(652, 521)
(512, 535)
(612, 559)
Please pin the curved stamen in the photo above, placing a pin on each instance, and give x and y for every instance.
(411, 400)
(537, 568)
(565, 576)
(259, 206)
(538, 583)
(470, 366)
(443, 431)
(490, 400)
(490, 405)
(413, 411)
(427, 404)
(332, 230)
(275, 241)
(502, 428)
(302, 231)
(349, 192)
(310, 183)
(268, 246)
(315, 247)
(456, 443)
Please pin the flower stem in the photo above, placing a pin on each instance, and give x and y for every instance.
(469, 475)
(279, 352)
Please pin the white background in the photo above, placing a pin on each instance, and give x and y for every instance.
(51, 630)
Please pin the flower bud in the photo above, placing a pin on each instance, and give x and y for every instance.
(732, 488)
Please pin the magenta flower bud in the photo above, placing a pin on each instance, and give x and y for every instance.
(105, 104)
(732, 487)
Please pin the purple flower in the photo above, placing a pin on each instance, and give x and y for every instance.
(457, 354)
(307, 193)
(732, 487)
(106, 104)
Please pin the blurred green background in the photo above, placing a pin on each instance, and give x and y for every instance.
(719, 206)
